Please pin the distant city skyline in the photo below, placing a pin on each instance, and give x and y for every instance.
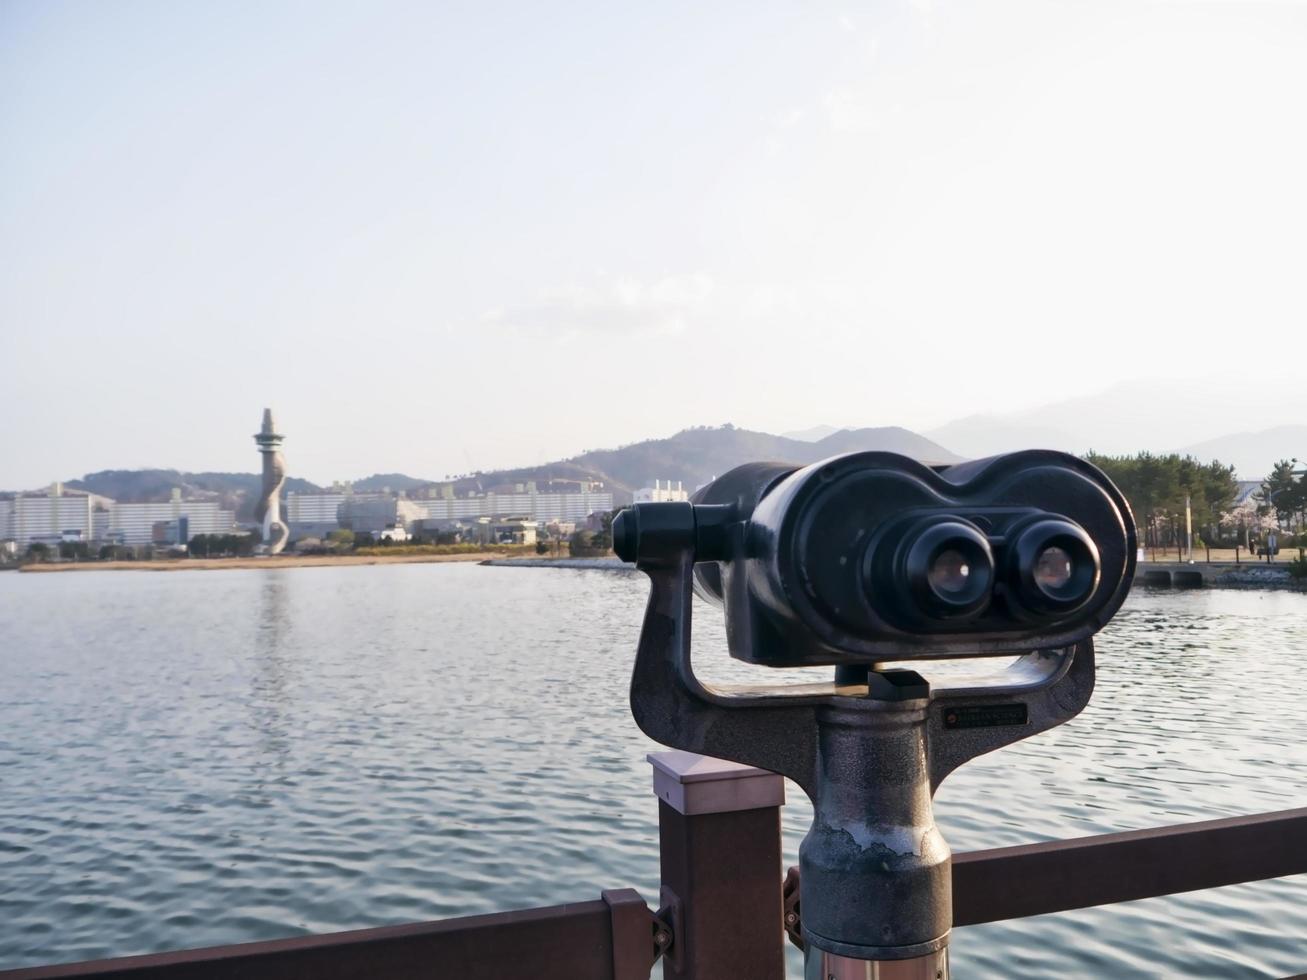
(441, 240)
(1109, 422)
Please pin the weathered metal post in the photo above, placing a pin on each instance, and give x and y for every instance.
(719, 832)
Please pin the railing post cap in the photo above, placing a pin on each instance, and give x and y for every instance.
(695, 784)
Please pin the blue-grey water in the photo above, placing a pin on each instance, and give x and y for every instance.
(212, 757)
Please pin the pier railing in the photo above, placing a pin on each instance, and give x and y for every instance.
(723, 911)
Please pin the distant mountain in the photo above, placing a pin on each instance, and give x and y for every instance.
(889, 438)
(1159, 415)
(398, 482)
(695, 456)
(978, 436)
(1254, 454)
(815, 434)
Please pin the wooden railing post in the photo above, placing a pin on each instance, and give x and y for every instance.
(719, 831)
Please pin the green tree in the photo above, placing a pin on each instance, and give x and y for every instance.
(582, 544)
(342, 538)
(1156, 488)
(1284, 494)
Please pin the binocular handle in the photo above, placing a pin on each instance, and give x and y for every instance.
(772, 731)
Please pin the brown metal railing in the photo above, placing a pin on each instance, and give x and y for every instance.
(721, 914)
(608, 939)
(1036, 879)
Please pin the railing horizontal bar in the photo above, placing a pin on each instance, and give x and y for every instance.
(574, 942)
(562, 942)
(1056, 876)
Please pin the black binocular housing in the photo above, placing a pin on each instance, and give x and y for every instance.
(875, 556)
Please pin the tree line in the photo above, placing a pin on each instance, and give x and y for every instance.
(1158, 486)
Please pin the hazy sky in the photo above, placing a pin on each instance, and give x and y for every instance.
(438, 237)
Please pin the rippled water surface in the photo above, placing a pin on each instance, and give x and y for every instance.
(211, 757)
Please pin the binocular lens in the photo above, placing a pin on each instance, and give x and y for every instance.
(1053, 569)
(949, 573)
(1053, 566)
(948, 570)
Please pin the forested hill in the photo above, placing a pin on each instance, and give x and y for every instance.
(131, 486)
(695, 456)
(397, 482)
(234, 491)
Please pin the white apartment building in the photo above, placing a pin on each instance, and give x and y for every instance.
(64, 515)
(49, 517)
(320, 508)
(659, 494)
(133, 523)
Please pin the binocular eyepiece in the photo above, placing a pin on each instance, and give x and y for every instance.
(874, 556)
(943, 567)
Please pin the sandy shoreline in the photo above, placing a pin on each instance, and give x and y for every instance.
(279, 561)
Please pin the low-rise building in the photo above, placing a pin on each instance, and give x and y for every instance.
(536, 506)
(375, 513)
(513, 530)
(171, 532)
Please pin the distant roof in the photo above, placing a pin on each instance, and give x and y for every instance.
(1246, 489)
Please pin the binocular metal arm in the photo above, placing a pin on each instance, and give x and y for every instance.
(772, 731)
(1039, 691)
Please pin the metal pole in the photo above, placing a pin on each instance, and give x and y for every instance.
(719, 834)
(1188, 530)
(821, 965)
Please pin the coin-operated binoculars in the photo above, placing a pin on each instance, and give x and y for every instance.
(856, 562)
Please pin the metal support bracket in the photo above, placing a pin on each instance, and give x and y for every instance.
(669, 929)
(793, 911)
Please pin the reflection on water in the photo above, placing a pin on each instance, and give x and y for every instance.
(269, 689)
(211, 757)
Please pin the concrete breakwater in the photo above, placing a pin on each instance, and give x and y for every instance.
(1197, 575)
(611, 564)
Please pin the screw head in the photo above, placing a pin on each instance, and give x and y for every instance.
(662, 938)
(791, 918)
